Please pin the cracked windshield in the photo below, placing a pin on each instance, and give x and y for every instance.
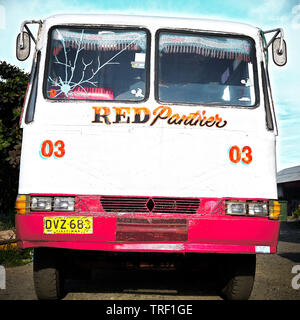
(93, 64)
(206, 69)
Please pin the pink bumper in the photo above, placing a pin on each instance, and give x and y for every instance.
(189, 233)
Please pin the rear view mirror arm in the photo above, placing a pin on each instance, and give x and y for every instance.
(278, 30)
(24, 25)
(30, 33)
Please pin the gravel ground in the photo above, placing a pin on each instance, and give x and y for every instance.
(273, 279)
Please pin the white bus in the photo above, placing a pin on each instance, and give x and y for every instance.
(148, 137)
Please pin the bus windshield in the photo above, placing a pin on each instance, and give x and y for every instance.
(205, 69)
(97, 64)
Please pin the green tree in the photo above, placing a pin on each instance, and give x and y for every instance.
(13, 84)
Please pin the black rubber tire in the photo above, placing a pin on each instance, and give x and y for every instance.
(238, 277)
(48, 277)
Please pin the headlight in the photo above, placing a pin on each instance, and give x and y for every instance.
(52, 203)
(258, 208)
(41, 203)
(249, 208)
(238, 208)
(63, 204)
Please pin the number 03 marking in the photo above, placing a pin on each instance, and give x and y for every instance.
(57, 149)
(236, 155)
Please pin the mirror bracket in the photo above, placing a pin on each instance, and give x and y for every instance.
(278, 30)
(278, 46)
(23, 40)
(24, 26)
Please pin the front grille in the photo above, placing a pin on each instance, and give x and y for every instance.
(176, 205)
(151, 229)
(124, 204)
(150, 204)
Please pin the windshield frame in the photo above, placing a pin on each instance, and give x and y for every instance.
(104, 28)
(192, 32)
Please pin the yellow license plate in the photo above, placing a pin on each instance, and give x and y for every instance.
(68, 225)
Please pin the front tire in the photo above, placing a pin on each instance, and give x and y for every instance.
(48, 277)
(238, 277)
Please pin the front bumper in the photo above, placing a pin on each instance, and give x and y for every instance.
(192, 233)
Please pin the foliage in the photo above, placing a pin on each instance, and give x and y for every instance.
(15, 257)
(13, 84)
(7, 221)
(296, 214)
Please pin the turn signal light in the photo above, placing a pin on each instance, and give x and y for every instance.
(274, 210)
(22, 204)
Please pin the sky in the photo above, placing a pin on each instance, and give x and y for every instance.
(266, 14)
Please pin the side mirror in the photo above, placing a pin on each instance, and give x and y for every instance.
(279, 52)
(23, 46)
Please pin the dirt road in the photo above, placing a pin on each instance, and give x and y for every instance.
(273, 279)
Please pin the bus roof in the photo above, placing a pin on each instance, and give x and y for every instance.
(153, 22)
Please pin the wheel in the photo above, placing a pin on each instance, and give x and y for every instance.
(238, 277)
(48, 277)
